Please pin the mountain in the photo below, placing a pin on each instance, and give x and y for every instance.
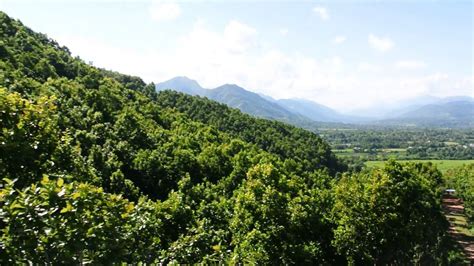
(317, 112)
(398, 108)
(235, 97)
(448, 112)
(299, 112)
(393, 109)
(251, 103)
(425, 111)
(456, 99)
(182, 84)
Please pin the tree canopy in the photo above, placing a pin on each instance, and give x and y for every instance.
(97, 167)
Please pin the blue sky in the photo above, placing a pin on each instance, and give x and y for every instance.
(345, 54)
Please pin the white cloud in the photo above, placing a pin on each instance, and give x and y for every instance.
(283, 31)
(322, 12)
(368, 67)
(235, 54)
(382, 44)
(339, 39)
(162, 11)
(239, 37)
(410, 64)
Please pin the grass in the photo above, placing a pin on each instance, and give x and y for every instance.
(343, 150)
(349, 150)
(394, 150)
(451, 143)
(443, 165)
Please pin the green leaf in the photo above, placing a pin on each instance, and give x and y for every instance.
(68, 208)
(16, 206)
(45, 180)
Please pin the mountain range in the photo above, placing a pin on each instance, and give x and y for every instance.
(453, 112)
(236, 97)
(425, 111)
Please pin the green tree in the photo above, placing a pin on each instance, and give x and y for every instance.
(389, 215)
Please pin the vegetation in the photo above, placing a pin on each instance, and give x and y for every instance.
(443, 165)
(99, 168)
(275, 137)
(368, 206)
(462, 180)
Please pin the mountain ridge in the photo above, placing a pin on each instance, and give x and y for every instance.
(236, 97)
(309, 114)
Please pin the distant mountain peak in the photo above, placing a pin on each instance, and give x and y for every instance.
(186, 80)
(183, 84)
(231, 87)
(423, 110)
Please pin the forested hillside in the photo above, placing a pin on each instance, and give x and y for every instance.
(289, 142)
(98, 168)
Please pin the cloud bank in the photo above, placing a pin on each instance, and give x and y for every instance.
(382, 44)
(237, 54)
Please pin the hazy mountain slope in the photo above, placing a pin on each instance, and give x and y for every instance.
(317, 112)
(443, 114)
(456, 99)
(250, 103)
(182, 84)
(398, 108)
(236, 97)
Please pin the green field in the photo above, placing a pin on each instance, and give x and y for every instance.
(379, 154)
(442, 165)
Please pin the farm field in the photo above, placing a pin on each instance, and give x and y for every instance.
(443, 165)
(390, 152)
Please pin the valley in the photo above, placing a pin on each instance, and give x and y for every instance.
(360, 138)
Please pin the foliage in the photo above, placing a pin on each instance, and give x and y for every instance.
(271, 136)
(28, 135)
(108, 171)
(442, 165)
(462, 180)
(55, 222)
(382, 215)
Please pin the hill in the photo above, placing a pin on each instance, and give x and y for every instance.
(275, 137)
(104, 159)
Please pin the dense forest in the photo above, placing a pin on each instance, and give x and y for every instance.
(98, 168)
